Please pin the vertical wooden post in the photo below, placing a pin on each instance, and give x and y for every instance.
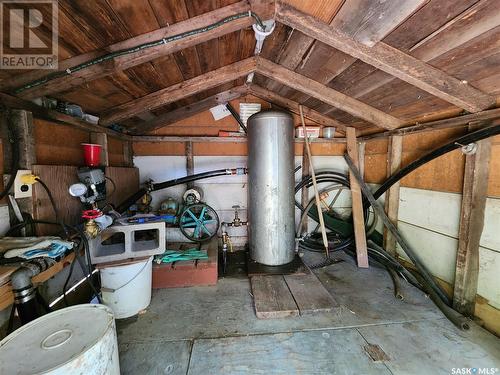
(128, 153)
(357, 202)
(361, 153)
(101, 139)
(475, 190)
(21, 123)
(394, 155)
(189, 161)
(305, 191)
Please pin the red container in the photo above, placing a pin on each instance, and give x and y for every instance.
(91, 154)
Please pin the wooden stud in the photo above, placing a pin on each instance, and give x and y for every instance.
(179, 91)
(361, 153)
(189, 110)
(101, 139)
(394, 154)
(128, 153)
(390, 60)
(304, 200)
(128, 61)
(357, 202)
(189, 161)
(475, 191)
(21, 122)
(326, 94)
(452, 122)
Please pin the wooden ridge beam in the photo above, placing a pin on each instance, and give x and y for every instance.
(293, 106)
(61, 118)
(326, 94)
(140, 57)
(188, 110)
(179, 91)
(452, 122)
(390, 60)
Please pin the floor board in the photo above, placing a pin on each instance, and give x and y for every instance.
(162, 357)
(327, 352)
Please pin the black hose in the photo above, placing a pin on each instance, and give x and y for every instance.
(236, 116)
(124, 206)
(453, 145)
(14, 166)
(51, 198)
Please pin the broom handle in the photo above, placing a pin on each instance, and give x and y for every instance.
(316, 192)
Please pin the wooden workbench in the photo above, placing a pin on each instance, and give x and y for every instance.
(6, 295)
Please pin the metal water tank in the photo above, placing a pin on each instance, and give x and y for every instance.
(271, 187)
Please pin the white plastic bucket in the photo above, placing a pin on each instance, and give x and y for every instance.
(79, 339)
(126, 289)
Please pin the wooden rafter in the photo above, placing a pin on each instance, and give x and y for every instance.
(127, 61)
(179, 91)
(453, 122)
(326, 94)
(293, 106)
(189, 110)
(390, 60)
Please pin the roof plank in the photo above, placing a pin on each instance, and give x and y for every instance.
(187, 111)
(127, 61)
(325, 94)
(179, 91)
(390, 60)
(293, 106)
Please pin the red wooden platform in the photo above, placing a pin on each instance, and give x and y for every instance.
(188, 273)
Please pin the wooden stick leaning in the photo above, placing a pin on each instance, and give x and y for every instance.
(316, 192)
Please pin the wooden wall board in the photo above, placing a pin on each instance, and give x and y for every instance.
(115, 152)
(309, 294)
(126, 181)
(57, 144)
(272, 298)
(58, 178)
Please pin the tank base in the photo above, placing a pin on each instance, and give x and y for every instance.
(296, 266)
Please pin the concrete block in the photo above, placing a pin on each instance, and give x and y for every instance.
(128, 241)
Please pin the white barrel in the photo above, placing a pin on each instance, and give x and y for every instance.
(79, 339)
(126, 289)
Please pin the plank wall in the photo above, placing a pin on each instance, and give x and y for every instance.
(429, 212)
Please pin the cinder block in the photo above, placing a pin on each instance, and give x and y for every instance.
(126, 241)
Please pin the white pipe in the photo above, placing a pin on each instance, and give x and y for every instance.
(260, 36)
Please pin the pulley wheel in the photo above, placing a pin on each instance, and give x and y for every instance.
(199, 222)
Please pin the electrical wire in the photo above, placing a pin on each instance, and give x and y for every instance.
(138, 48)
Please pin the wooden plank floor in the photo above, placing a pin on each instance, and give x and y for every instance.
(290, 295)
(272, 298)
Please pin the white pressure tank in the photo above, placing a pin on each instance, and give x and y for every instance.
(79, 339)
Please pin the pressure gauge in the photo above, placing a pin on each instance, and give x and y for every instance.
(78, 190)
